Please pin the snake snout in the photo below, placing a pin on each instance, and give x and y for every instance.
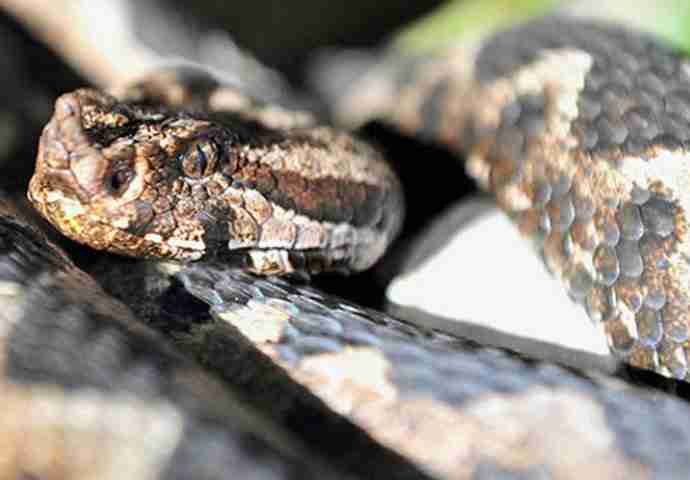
(67, 161)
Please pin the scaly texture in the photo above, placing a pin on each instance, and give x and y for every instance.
(457, 409)
(250, 185)
(90, 392)
(103, 166)
(581, 130)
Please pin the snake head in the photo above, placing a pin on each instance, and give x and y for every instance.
(125, 178)
(145, 178)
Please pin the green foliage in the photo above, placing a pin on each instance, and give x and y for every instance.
(464, 20)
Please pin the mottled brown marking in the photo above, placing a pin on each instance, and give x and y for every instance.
(146, 179)
(244, 228)
(544, 114)
(514, 432)
(261, 324)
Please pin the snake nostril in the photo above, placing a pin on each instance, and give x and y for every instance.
(117, 182)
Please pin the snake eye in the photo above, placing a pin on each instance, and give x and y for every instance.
(200, 159)
(118, 181)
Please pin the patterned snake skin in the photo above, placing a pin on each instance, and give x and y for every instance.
(581, 131)
(587, 164)
(89, 392)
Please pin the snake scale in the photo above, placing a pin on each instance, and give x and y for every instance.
(580, 130)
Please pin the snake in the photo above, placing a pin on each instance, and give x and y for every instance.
(581, 137)
(579, 129)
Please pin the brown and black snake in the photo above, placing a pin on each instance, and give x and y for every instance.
(579, 128)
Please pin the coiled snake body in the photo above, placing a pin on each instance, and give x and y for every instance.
(579, 128)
